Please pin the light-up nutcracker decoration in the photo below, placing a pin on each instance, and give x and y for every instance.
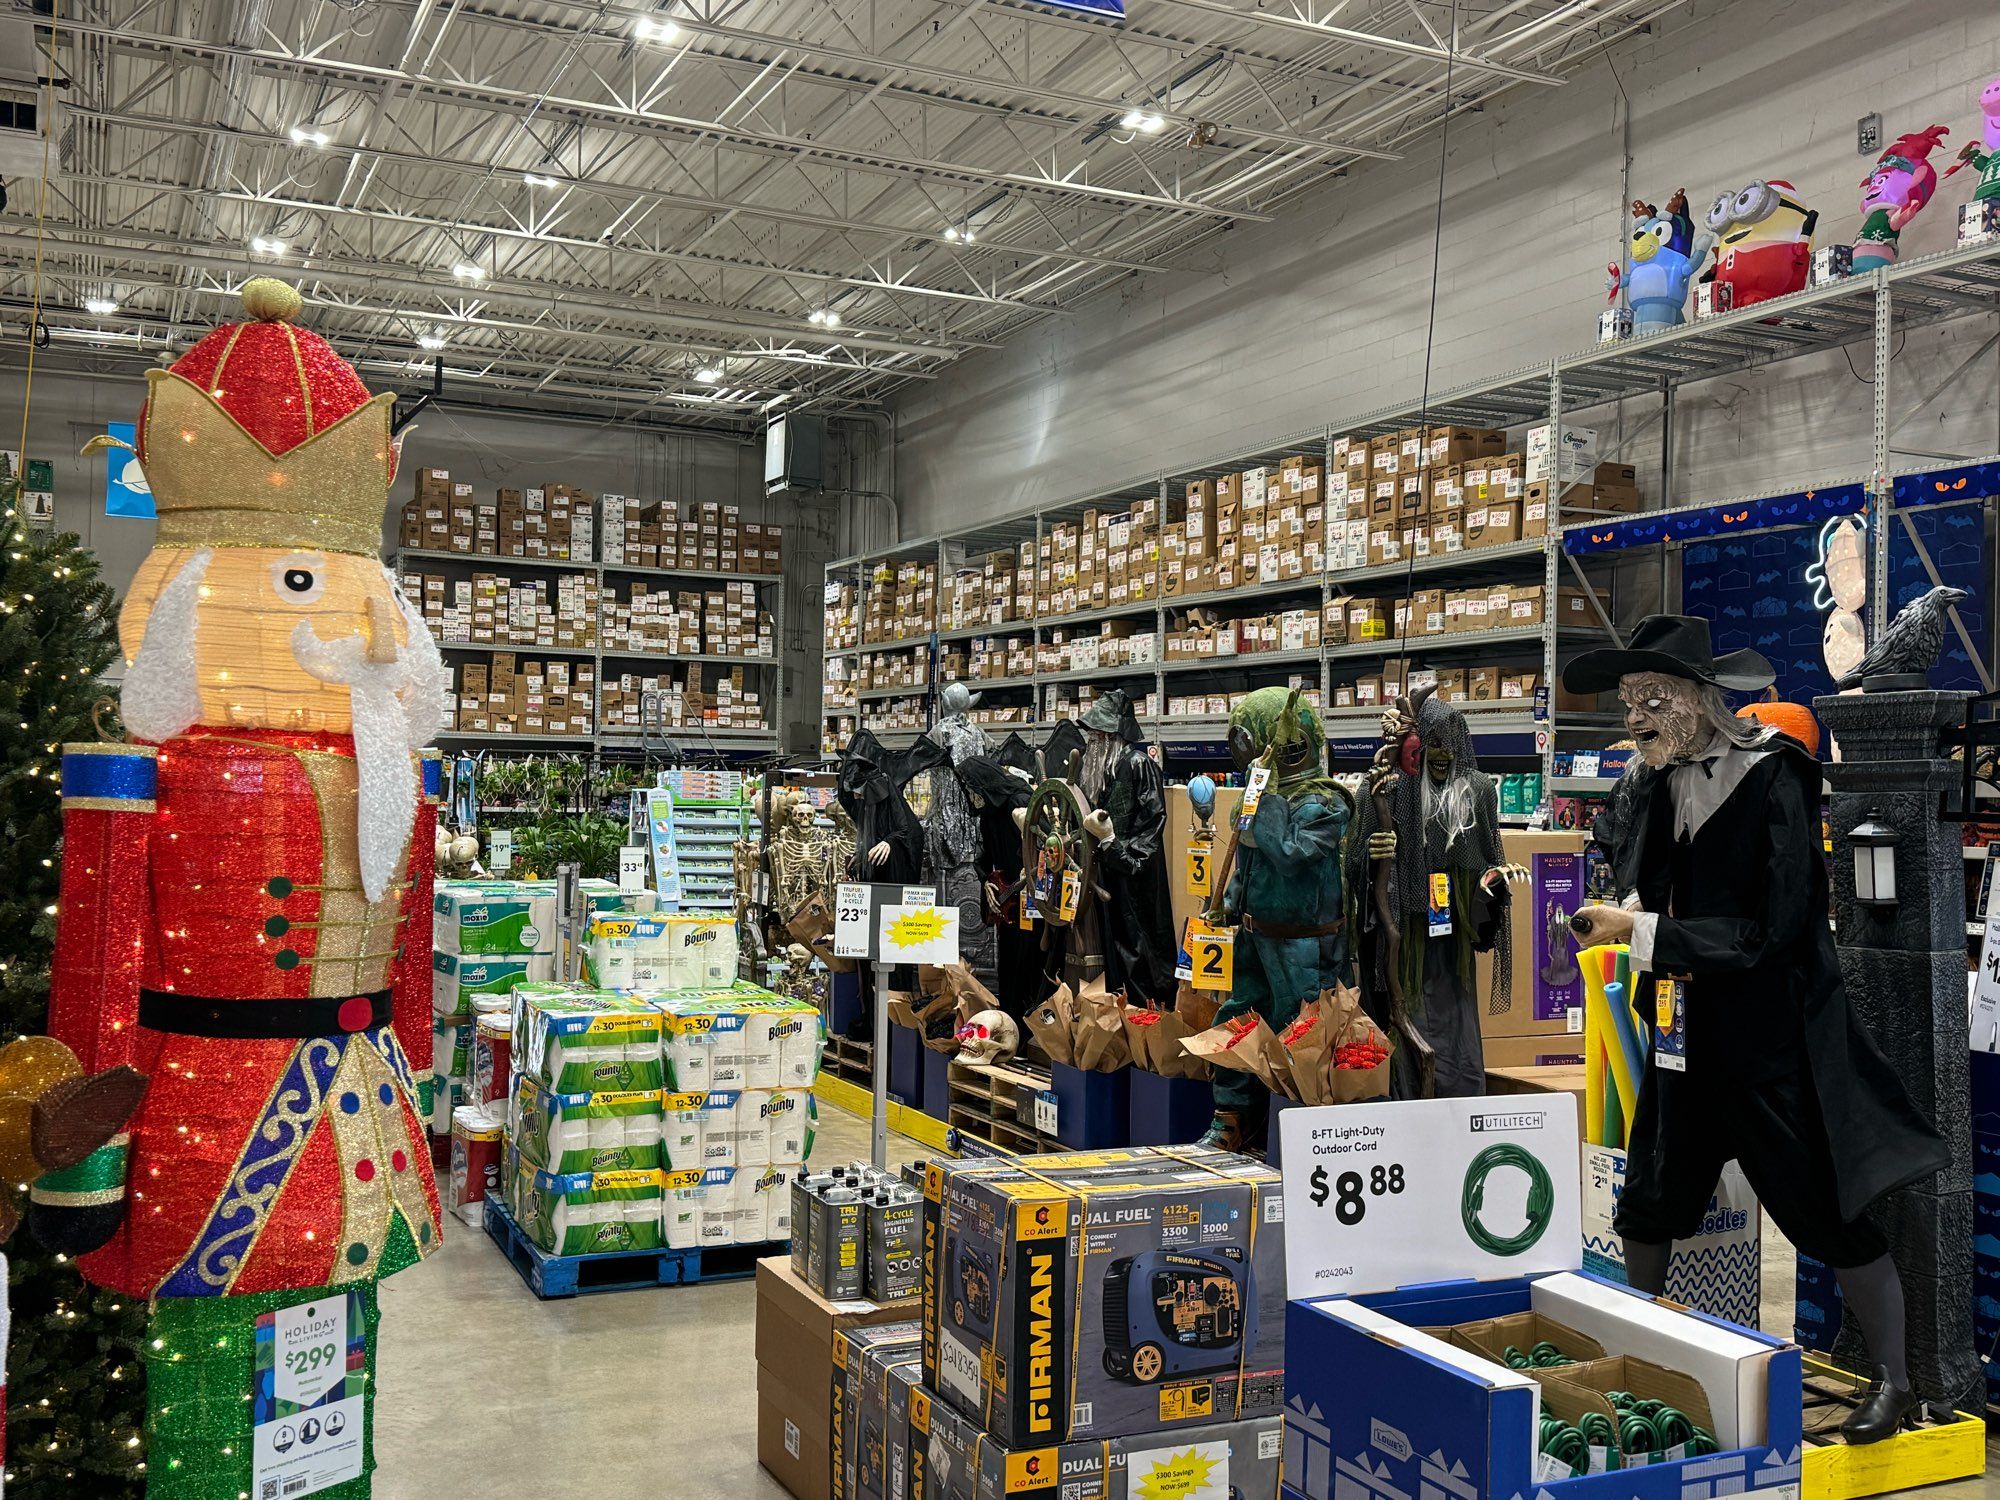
(246, 891)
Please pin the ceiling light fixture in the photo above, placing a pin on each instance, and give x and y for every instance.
(304, 137)
(709, 374)
(1145, 121)
(535, 179)
(265, 246)
(100, 307)
(430, 341)
(960, 234)
(657, 29)
(465, 270)
(823, 317)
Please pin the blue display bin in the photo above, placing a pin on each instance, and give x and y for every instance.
(1093, 1110)
(937, 1083)
(906, 1068)
(1169, 1111)
(843, 1002)
(1272, 1153)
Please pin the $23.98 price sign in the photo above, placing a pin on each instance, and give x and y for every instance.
(1345, 1190)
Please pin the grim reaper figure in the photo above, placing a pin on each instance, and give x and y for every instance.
(952, 830)
(1437, 856)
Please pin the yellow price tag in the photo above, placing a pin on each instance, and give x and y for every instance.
(1024, 910)
(1212, 955)
(1072, 891)
(1200, 858)
(916, 927)
(1253, 794)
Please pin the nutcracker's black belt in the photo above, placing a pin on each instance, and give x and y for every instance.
(257, 1020)
(1285, 931)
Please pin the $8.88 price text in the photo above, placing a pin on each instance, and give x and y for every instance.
(1349, 1191)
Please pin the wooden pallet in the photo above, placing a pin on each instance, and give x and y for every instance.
(551, 1277)
(983, 1105)
(853, 1062)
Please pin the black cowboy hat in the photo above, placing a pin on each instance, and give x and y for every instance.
(1675, 646)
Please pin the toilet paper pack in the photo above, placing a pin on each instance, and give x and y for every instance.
(451, 1047)
(576, 1041)
(584, 1213)
(494, 917)
(477, 1138)
(591, 1132)
(457, 979)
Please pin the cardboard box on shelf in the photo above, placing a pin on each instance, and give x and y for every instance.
(1493, 524)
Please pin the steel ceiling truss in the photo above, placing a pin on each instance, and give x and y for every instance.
(813, 201)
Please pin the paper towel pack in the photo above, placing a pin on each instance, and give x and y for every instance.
(494, 917)
(590, 1132)
(458, 978)
(584, 1213)
(586, 1041)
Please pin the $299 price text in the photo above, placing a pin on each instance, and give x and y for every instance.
(1349, 1191)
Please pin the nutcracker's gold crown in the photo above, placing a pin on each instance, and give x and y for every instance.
(215, 485)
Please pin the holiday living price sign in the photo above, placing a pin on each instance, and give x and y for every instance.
(311, 1369)
(1379, 1196)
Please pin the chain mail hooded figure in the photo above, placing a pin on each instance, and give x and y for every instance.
(996, 785)
(1122, 782)
(951, 828)
(1446, 824)
(889, 837)
(1283, 891)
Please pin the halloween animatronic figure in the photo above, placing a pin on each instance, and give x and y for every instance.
(1718, 856)
(1282, 890)
(995, 785)
(1664, 254)
(1428, 881)
(1764, 242)
(246, 899)
(799, 855)
(1129, 799)
(888, 834)
(951, 828)
(1893, 194)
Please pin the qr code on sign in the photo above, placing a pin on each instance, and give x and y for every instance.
(269, 1490)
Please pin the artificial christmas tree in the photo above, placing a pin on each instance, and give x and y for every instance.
(76, 1389)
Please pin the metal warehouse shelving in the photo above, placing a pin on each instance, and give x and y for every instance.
(1875, 308)
(622, 742)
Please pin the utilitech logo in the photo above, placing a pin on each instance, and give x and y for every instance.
(1482, 1123)
(1041, 1342)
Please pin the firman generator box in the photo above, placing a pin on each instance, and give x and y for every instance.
(1413, 1225)
(858, 1419)
(1106, 1299)
(1237, 1460)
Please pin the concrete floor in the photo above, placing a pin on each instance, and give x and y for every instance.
(487, 1392)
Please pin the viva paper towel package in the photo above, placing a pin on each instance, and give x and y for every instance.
(596, 1132)
(575, 1041)
(584, 1213)
(457, 979)
(494, 917)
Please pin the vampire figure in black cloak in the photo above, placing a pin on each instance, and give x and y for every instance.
(1126, 788)
(995, 785)
(888, 836)
(1720, 867)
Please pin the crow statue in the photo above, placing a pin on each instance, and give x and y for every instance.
(1911, 643)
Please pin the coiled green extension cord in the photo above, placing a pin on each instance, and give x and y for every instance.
(1544, 1356)
(1644, 1427)
(1541, 1198)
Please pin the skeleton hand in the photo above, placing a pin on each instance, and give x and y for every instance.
(1098, 825)
(1382, 777)
(1382, 845)
(1595, 926)
(1503, 874)
(993, 902)
(879, 855)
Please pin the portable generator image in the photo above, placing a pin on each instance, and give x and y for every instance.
(972, 1290)
(1171, 1312)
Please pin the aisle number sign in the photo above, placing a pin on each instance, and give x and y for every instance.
(1200, 867)
(1211, 956)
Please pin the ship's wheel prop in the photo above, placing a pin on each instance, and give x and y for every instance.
(1058, 855)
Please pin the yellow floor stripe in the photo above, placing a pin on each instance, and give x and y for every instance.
(856, 1100)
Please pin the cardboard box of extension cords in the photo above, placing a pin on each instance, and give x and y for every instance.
(1104, 1294)
(1412, 1226)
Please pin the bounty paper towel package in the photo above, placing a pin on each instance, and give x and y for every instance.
(586, 1041)
(683, 1121)
(627, 952)
(600, 1132)
(494, 917)
(584, 1213)
(787, 1123)
(701, 952)
(457, 978)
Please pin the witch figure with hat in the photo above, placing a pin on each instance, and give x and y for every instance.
(1756, 1057)
(1129, 796)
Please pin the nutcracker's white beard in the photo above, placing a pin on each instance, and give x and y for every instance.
(396, 709)
(161, 696)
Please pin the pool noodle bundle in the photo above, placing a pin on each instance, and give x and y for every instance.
(1614, 1046)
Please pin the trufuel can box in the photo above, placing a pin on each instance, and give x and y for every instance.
(1112, 1299)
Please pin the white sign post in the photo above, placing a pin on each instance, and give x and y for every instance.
(890, 925)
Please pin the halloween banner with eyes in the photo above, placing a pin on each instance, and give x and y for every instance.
(1664, 716)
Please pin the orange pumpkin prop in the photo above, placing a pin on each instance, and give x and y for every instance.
(1794, 719)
